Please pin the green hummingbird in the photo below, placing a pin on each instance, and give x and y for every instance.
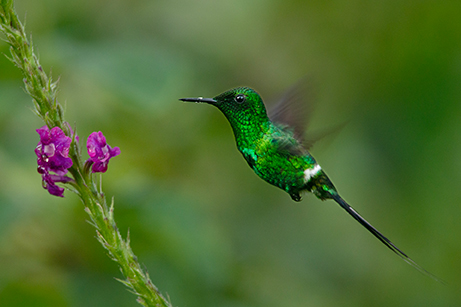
(276, 153)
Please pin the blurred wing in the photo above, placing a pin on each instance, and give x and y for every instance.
(294, 111)
(294, 108)
(313, 136)
(286, 143)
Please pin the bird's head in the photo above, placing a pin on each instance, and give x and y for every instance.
(242, 106)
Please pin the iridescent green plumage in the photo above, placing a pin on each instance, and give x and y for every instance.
(270, 149)
(278, 156)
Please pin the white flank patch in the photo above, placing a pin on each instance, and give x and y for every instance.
(311, 172)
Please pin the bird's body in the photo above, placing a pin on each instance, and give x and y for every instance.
(270, 148)
(279, 157)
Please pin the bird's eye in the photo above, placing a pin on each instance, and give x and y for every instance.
(240, 98)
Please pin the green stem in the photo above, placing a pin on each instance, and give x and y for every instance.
(43, 92)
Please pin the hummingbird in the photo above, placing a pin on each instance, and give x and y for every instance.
(276, 152)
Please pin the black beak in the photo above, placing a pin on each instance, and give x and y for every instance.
(199, 100)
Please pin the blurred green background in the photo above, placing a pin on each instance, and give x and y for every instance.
(208, 230)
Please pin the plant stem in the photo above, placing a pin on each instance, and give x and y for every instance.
(43, 92)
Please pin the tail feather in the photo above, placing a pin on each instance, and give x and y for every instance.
(381, 237)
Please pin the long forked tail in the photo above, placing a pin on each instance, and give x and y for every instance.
(381, 237)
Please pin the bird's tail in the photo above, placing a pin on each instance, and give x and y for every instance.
(380, 236)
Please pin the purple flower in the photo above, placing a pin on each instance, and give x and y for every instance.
(53, 150)
(49, 183)
(53, 155)
(100, 152)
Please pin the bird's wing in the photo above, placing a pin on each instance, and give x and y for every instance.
(284, 142)
(294, 110)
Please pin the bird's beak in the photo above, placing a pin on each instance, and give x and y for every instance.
(200, 100)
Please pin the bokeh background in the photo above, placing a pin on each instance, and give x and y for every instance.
(208, 230)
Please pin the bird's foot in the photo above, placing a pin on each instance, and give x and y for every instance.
(295, 196)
